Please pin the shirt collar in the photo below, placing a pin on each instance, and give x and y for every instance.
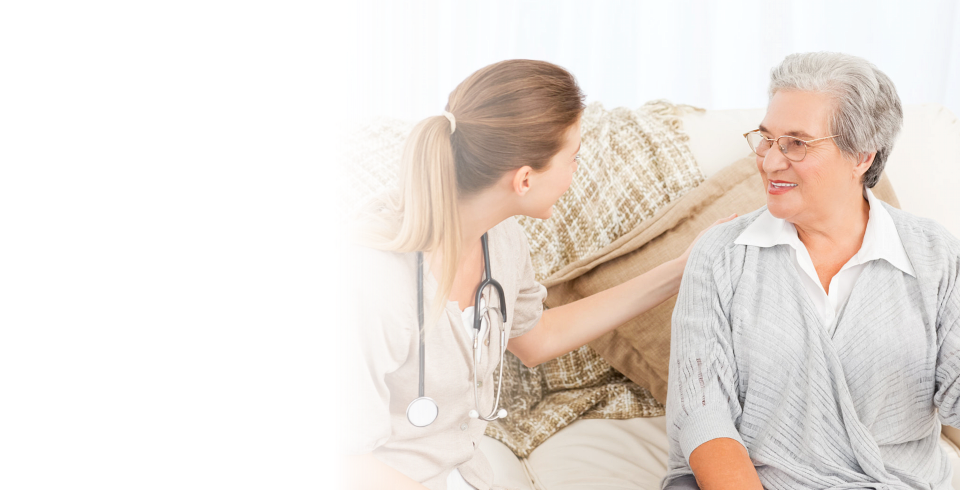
(880, 240)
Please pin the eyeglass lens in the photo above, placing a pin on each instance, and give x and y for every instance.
(792, 148)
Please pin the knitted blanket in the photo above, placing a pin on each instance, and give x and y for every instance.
(633, 162)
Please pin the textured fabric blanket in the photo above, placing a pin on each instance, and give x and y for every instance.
(542, 400)
(633, 162)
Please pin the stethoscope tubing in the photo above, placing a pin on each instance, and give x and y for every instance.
(420, 320)
(422, 411)
(477, 350)
(487, 281)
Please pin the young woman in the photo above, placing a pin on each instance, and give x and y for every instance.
(446, 250)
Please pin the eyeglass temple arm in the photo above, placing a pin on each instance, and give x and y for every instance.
(781, 136)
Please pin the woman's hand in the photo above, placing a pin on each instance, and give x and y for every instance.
(686, 253)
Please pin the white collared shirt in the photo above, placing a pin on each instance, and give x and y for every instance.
(880, 241)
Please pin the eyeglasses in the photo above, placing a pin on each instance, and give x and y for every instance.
(794, 148)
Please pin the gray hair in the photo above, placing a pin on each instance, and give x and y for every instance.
(868, 116)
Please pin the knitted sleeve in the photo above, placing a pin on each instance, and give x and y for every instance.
(702, 401)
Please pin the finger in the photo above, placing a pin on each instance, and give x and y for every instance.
(724, 220)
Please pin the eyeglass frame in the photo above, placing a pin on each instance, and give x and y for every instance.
(779, 146)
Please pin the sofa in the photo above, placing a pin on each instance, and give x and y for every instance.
(632, 454)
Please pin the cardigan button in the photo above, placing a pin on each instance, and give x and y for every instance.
(463, 426)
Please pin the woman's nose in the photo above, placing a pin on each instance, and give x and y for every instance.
(775, 161)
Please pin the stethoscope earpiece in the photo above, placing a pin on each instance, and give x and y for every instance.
(501, 414)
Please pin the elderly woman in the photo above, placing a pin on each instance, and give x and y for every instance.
(816, 341)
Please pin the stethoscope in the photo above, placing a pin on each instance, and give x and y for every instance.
(423, 411)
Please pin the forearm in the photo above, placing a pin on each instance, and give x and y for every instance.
(570, 326)
(723, 463)
(366, 472)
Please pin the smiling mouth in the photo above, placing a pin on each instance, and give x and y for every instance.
(775, 184)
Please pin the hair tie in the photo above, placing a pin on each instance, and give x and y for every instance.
(453, 121)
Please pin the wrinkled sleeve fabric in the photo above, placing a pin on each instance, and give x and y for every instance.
(702, 393)
(947, 395)
(378, 344)
(528, 307)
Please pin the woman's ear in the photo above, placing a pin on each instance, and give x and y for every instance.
(521, 180)
(864, 161)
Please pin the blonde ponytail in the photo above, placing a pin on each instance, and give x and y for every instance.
(423, 215)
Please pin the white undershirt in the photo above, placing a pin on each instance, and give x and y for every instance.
(880, 241)
(455, 480)
(467, 317)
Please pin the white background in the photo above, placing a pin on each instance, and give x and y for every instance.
(711, 54)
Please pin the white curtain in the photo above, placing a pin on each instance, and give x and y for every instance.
(711, 54)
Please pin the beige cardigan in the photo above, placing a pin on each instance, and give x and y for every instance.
(384, 375)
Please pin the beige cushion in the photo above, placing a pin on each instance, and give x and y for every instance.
(508, 471)
(953, 452)
(606, 454)
(640, 349)
(953, 434)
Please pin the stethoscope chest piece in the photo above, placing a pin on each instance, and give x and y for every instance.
(422, 411)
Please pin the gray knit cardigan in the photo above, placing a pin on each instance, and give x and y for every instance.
(751, 360)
